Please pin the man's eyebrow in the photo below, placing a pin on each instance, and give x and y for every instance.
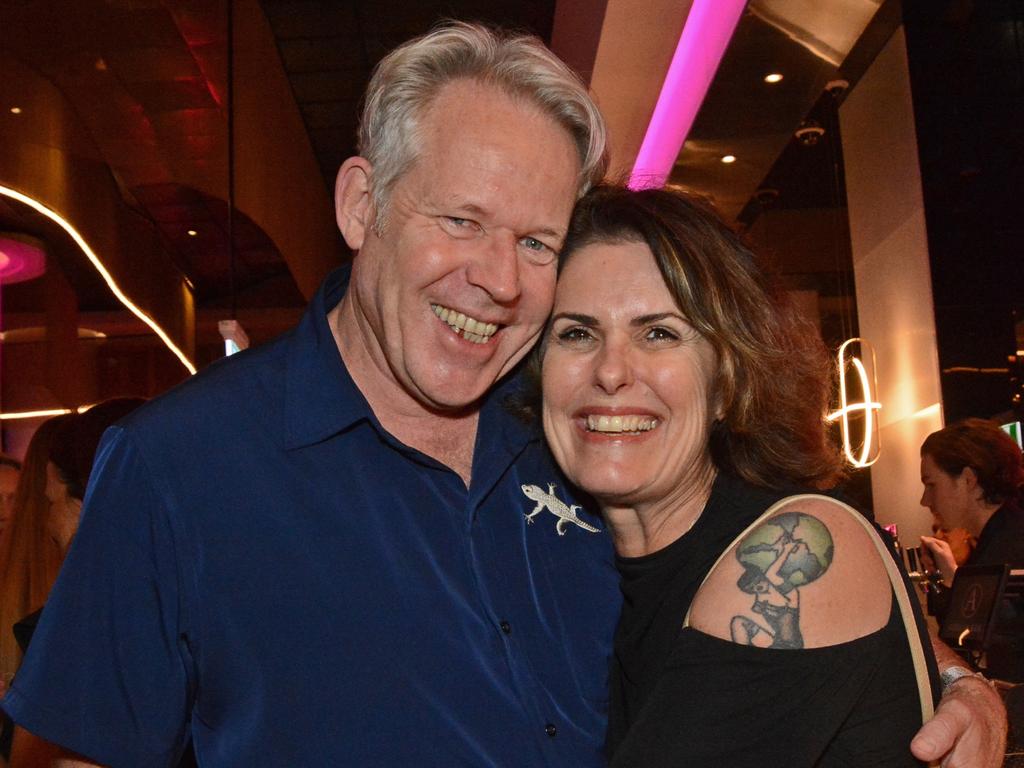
(556, 233)
(588, 320)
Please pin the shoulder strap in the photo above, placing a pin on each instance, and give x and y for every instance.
(899, 589)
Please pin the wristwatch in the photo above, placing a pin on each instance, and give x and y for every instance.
(950, 675)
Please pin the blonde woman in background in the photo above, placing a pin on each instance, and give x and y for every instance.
(29, 557)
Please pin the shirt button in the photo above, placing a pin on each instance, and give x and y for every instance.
(550, 730)
(506, 627)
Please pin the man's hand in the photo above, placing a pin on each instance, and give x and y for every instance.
(969, 727)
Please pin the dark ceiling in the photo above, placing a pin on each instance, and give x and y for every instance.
(146, 81)
(329, 49)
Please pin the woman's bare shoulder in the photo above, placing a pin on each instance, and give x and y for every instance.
(807, 577)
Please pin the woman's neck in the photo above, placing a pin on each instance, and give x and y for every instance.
(641, 529)
(981, 517)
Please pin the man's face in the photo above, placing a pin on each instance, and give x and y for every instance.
(458, 286)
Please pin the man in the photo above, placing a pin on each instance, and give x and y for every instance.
(318, 552)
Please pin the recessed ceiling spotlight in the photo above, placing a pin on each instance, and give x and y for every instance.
(192, 233)
(15, 110)
(774, 77)
(728, 158)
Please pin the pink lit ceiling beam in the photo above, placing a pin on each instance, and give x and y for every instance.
(706, 34)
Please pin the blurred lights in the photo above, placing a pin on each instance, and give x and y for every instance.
(774, 77)
(192, 233)
(15, 110)
(728, 159)
(95, 260)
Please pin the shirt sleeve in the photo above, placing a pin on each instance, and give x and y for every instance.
(108, 674)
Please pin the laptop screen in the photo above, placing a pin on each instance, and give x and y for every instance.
(976, 593)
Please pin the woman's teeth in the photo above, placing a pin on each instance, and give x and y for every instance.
(621, 423)
(470, 328)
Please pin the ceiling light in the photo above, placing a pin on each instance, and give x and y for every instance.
(729, 158)
(15, 110)
(192, 233)
(774, 77)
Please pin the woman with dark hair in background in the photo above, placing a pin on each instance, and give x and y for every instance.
(973, 476)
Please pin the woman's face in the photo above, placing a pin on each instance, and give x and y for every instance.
(626, 380)
(65, 509)
(947, 496)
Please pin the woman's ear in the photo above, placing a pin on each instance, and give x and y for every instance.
(970, 479)
(352, 200)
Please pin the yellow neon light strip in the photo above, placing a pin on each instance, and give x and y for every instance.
(868, 406)
(42, 413)
(66, 226)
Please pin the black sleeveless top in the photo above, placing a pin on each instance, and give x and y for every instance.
(680, 697)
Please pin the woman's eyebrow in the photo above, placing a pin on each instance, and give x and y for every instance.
(588, 320)
(656, 317)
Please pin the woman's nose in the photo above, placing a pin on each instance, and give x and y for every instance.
(614, 368)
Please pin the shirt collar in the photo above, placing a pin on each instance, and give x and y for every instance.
(321, 399)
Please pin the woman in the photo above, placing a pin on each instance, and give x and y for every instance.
(972, 476)
(683, 401)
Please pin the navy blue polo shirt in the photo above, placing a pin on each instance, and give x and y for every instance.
(263, 568)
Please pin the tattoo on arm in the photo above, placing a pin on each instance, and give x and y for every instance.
(778, 557)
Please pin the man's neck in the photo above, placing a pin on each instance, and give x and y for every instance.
(447, 437)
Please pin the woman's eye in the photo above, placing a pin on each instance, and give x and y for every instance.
(575, 335)
(658, 333)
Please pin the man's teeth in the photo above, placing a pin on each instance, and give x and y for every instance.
(621, 423)
(471, 329)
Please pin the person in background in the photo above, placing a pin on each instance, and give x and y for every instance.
(10, 471)
(29, 557)
(972, 477)
(317, 544)
(961, 543)
(70, 441)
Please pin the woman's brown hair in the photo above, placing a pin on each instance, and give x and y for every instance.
(773, 377)
(985, 448)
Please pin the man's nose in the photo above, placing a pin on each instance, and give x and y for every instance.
(496, 269)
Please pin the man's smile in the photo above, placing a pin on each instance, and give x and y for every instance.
(471, 329)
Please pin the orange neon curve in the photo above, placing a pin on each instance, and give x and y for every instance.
(107, 278)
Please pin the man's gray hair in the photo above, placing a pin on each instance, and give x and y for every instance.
(406, 81)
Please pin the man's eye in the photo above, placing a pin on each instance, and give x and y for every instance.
(459, 226)
(539, 252)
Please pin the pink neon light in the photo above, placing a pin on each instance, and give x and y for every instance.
(706, 34)
(20, 260)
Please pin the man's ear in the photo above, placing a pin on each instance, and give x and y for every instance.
(352, 200)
